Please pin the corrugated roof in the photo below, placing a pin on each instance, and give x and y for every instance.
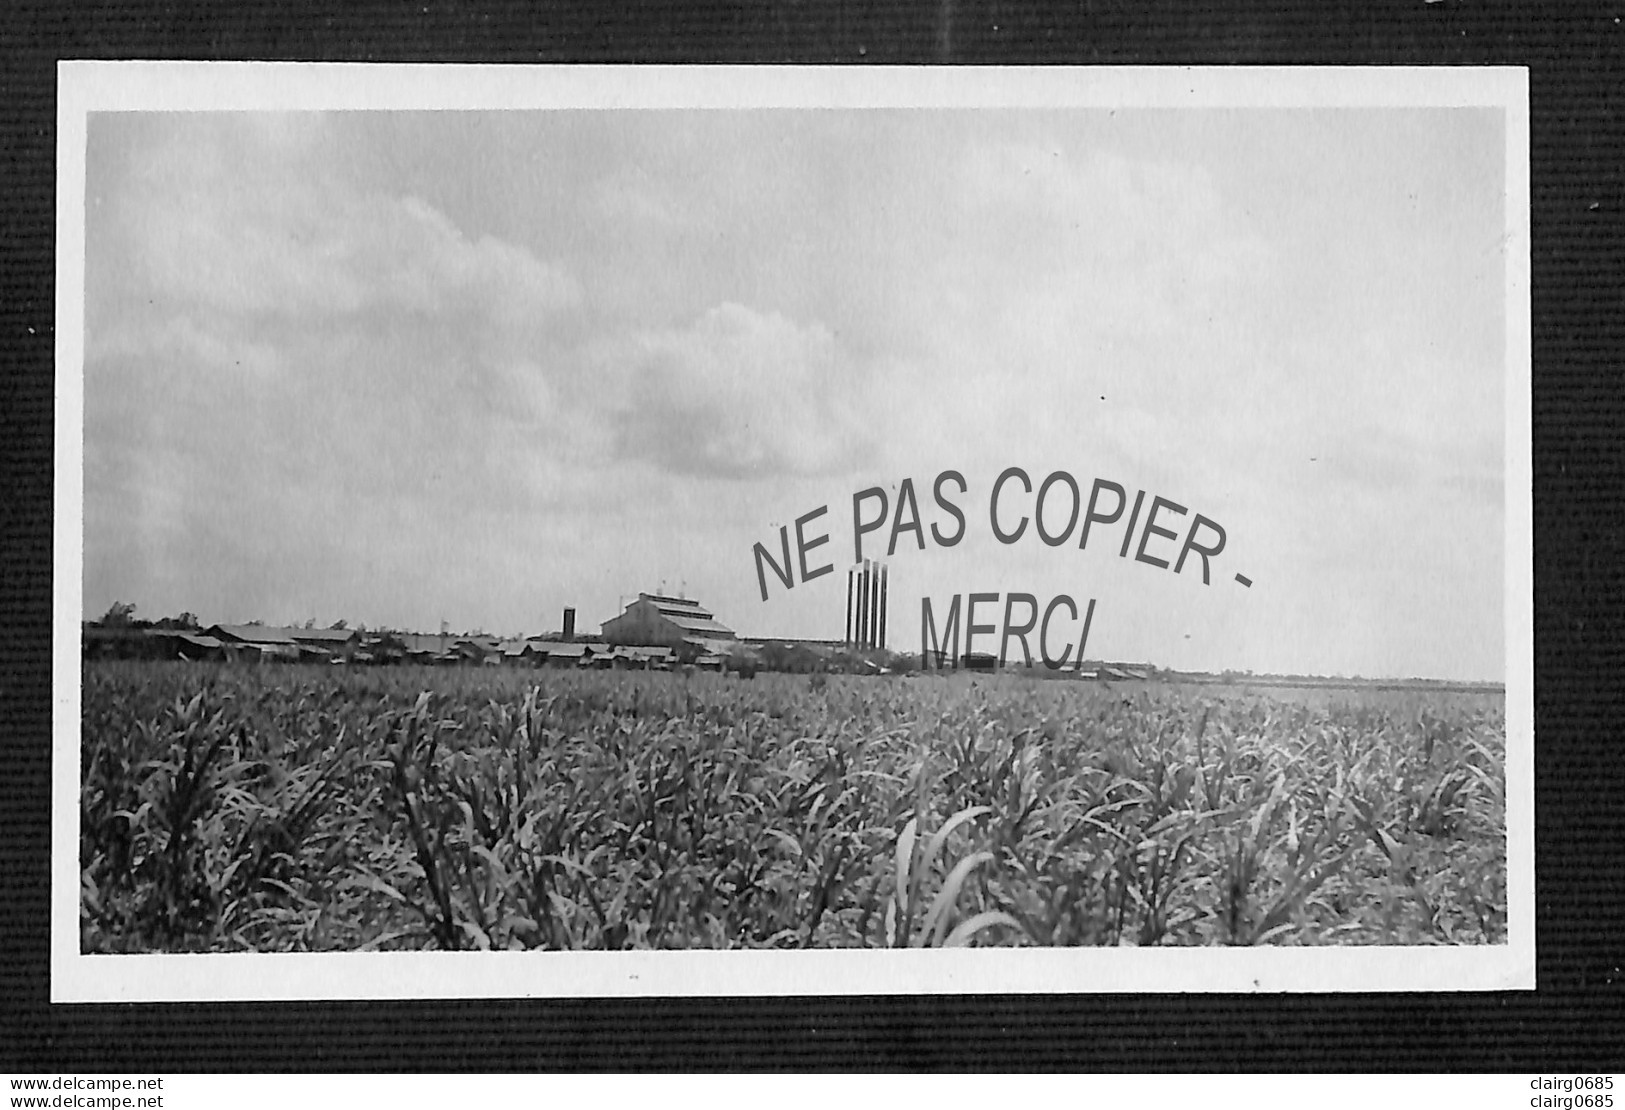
(685, 608)
(276, 634)
(684, 611)
(252, 633)
(696, 624)
(323, 635)
(666, 600)
(272, 648)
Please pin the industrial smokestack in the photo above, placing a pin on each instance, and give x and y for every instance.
(874, 605)
(885, 574)
(863, 604)
(849, 574)
(857, 603)
(869, 602)
(569, 625)
(868, 605)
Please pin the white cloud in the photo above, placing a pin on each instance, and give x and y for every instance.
(234, 216)
(736, 393)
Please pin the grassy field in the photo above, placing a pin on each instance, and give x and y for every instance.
(290, 808)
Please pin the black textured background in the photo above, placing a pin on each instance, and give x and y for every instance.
(1575, 1021)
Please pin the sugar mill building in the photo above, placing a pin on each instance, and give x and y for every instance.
(655, 620)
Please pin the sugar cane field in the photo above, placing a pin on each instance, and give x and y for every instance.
(305, 808)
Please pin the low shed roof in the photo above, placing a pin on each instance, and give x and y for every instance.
(324, 635)
(251, 633)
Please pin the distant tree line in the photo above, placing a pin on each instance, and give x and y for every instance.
(121, 614)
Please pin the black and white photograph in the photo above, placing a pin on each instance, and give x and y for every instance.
(586, 532)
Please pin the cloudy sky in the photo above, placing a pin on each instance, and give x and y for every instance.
(403, 368)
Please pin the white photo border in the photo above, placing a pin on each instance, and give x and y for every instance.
(87, 87)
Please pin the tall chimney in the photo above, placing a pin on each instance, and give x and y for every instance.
(885, 574)
(569, 625)
(868, 607)
(874, 605)
(863, 604)
(849, 606)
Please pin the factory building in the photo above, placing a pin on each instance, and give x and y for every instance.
(654, 620)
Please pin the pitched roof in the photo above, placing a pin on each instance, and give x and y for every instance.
(686, 613)
(699, 624)
(323, 635)
(251, 633)
(272, 648)
(277, 634)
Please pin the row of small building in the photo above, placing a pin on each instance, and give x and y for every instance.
(654, 632)
(265, 643)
